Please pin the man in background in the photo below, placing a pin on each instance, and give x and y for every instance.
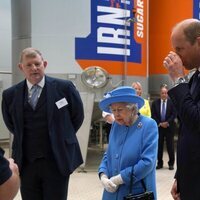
(164, 114)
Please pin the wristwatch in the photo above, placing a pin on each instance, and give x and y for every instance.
(179, 81)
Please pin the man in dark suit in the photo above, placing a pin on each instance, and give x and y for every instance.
(185, 39)
(163, 112)
(45, 145)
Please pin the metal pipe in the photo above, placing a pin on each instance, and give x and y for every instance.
(124, 75)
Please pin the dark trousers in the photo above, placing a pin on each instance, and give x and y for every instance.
(107, 129)
(41, 180)
(165, 133)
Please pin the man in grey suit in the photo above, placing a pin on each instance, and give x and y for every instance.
(185, 39)
(45, 145)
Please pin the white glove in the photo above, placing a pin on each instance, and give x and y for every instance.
(117, 180)
(108, 184)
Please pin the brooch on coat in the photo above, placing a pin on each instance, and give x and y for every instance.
(139, 125)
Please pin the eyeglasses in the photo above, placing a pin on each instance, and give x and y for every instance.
(118, 110)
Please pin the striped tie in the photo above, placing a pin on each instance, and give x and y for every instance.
(163, 111)
(34, 96)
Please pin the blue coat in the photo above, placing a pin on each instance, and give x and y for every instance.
(63, 123)
(131, 147)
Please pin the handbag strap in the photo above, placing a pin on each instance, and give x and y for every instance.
(143, 185)
(131, 183)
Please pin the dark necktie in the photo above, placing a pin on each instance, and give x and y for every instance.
(194, 81)
(163, 111)
(34, 96)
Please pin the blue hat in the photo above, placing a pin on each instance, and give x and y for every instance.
(121, 94)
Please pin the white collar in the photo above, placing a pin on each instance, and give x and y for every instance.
(41, 83)
(163, 100)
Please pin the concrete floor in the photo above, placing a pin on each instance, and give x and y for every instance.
(85, 185)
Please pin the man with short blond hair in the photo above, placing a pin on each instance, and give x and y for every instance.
(44, 114)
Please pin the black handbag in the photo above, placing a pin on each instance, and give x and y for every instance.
(146, 195)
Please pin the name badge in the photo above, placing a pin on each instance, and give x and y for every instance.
(61, 103)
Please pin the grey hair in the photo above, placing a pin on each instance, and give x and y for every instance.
(132, 106)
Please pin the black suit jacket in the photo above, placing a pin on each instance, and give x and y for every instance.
(63, 122)
(188, 147)
(170, 113)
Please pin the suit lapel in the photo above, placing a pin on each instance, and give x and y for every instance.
(19, 104)
(158, 109)
(167, 108)
(51, 91)
(196, 89)
(159, 106)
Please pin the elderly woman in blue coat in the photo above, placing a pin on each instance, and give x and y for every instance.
(132, 149)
